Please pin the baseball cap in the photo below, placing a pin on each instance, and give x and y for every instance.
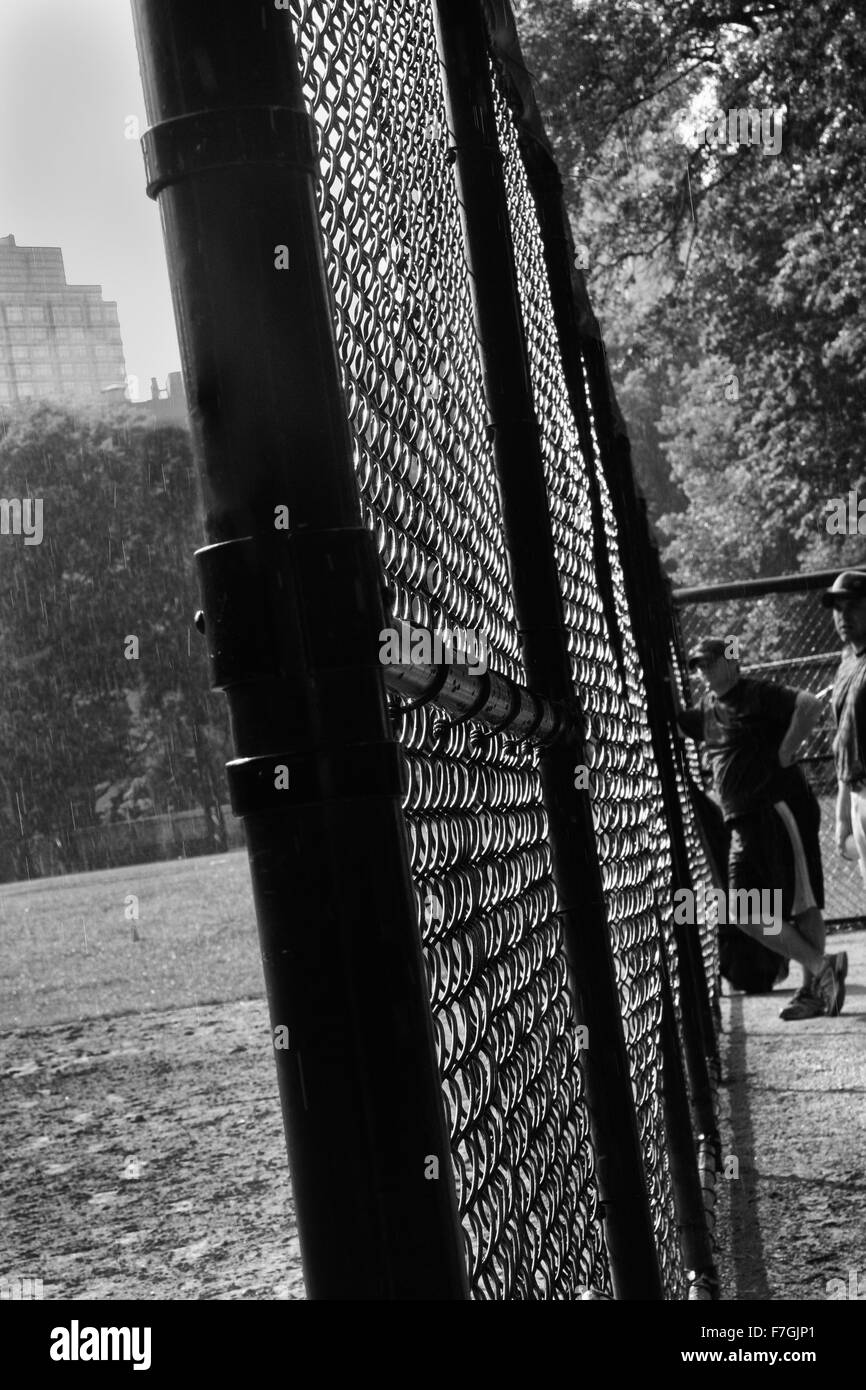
(847, 585)
(708, 649)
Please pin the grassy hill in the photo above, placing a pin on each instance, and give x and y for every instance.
(68, 947)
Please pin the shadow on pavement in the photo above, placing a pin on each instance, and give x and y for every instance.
(747, 1248)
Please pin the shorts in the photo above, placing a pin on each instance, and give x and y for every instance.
(768, 854)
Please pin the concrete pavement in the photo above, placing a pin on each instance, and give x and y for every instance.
(791, 1216)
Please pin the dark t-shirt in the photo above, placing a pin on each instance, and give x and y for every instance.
(849, 707)
(741, 732)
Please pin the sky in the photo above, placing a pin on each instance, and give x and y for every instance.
(70, 177)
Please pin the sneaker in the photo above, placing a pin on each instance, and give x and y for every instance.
(830, 984)
(804, 1004)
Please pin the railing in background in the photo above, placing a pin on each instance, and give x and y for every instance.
(144, 840)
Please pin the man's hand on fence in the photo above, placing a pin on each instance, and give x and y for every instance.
(671, 683)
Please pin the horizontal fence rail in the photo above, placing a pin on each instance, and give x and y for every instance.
(754, 588)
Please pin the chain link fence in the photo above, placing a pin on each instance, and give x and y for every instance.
(507, 1043)
(508, 1046)
(543, 860)
(633, 845)
(785, 635)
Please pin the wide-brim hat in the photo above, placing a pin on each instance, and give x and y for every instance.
(850, 584)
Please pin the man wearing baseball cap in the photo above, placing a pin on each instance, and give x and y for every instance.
(847, 598)
(751, 730)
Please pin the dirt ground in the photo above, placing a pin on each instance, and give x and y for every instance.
(109, 1191)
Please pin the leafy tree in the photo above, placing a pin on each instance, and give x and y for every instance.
(102, 682)
(706, 253)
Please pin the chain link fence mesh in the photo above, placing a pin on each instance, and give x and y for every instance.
(507, 1043)
(688, 772)
(789, 638)
(633, 845)
(508, 1047)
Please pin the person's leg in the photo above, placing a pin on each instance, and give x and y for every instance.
(797, 870)
(761, 852)
(828, 971)
(803, 891)
(786, 940)
(810, 925)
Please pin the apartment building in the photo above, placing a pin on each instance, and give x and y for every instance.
(56, 340)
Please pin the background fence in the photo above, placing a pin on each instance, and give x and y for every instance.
(175, 835)
(785, 635)
(493, 472)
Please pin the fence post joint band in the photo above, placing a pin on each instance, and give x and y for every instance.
(178, 149)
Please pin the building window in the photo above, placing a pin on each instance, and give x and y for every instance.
(35, 313)
(25, 390)
(67, 369)
(14, 313)
(77, 335)
(79, 351)
(37, 335)
(5, 391)
(73, 315)
(20, 354)
(39, 354)
(82, 369)
(43, 371)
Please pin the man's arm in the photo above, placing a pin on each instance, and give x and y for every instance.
(690, 720)
(691, 723)
(843, 815)
(807, 712)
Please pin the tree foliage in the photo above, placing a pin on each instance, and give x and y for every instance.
(710, 261)
(105, 710)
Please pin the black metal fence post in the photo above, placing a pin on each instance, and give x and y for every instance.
(537, 597)
(293, 608)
